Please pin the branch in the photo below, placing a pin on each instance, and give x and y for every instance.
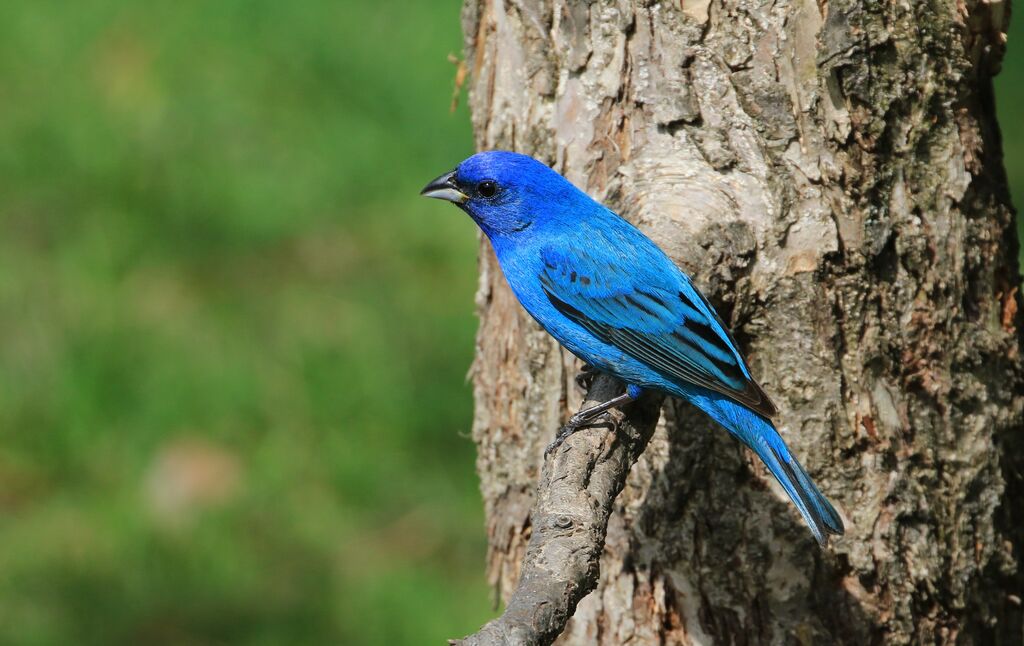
(578, 485)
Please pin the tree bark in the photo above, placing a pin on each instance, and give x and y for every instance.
(830, 174)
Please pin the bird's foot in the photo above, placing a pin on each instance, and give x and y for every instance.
(585, 377)
(611, 419)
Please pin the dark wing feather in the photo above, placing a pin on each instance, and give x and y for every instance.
(670, 328)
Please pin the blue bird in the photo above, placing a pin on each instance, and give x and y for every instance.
(606, 292)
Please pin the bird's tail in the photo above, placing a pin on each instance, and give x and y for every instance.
(760, 435)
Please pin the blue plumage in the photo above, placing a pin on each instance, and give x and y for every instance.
(613, 298)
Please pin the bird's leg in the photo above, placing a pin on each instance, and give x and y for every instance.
(585, 417)
(585, 377)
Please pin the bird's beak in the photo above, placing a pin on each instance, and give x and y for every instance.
(444, 188)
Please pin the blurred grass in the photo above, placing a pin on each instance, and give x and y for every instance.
(232, 398)
(1009, 88)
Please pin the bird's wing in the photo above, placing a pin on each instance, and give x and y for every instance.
(653, 314)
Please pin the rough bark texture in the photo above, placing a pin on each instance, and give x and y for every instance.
(830, 175)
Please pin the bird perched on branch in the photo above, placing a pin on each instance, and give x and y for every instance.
(606, 292)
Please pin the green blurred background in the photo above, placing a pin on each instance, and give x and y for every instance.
(233, 406)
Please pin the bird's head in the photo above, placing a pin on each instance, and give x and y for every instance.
(506, 193)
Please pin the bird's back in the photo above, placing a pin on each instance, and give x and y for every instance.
(612, 297)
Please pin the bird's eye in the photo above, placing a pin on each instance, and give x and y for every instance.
(487, 188)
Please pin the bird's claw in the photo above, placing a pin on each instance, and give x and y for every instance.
(557, 442)
(563, 434)
(577, 421)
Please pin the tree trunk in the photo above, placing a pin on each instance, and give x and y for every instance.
(829, 172)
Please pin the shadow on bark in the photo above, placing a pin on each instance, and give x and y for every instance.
(720, 549)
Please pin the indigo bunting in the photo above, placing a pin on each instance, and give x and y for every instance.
(608, 294)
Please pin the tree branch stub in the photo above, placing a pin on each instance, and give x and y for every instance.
(569, 520)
